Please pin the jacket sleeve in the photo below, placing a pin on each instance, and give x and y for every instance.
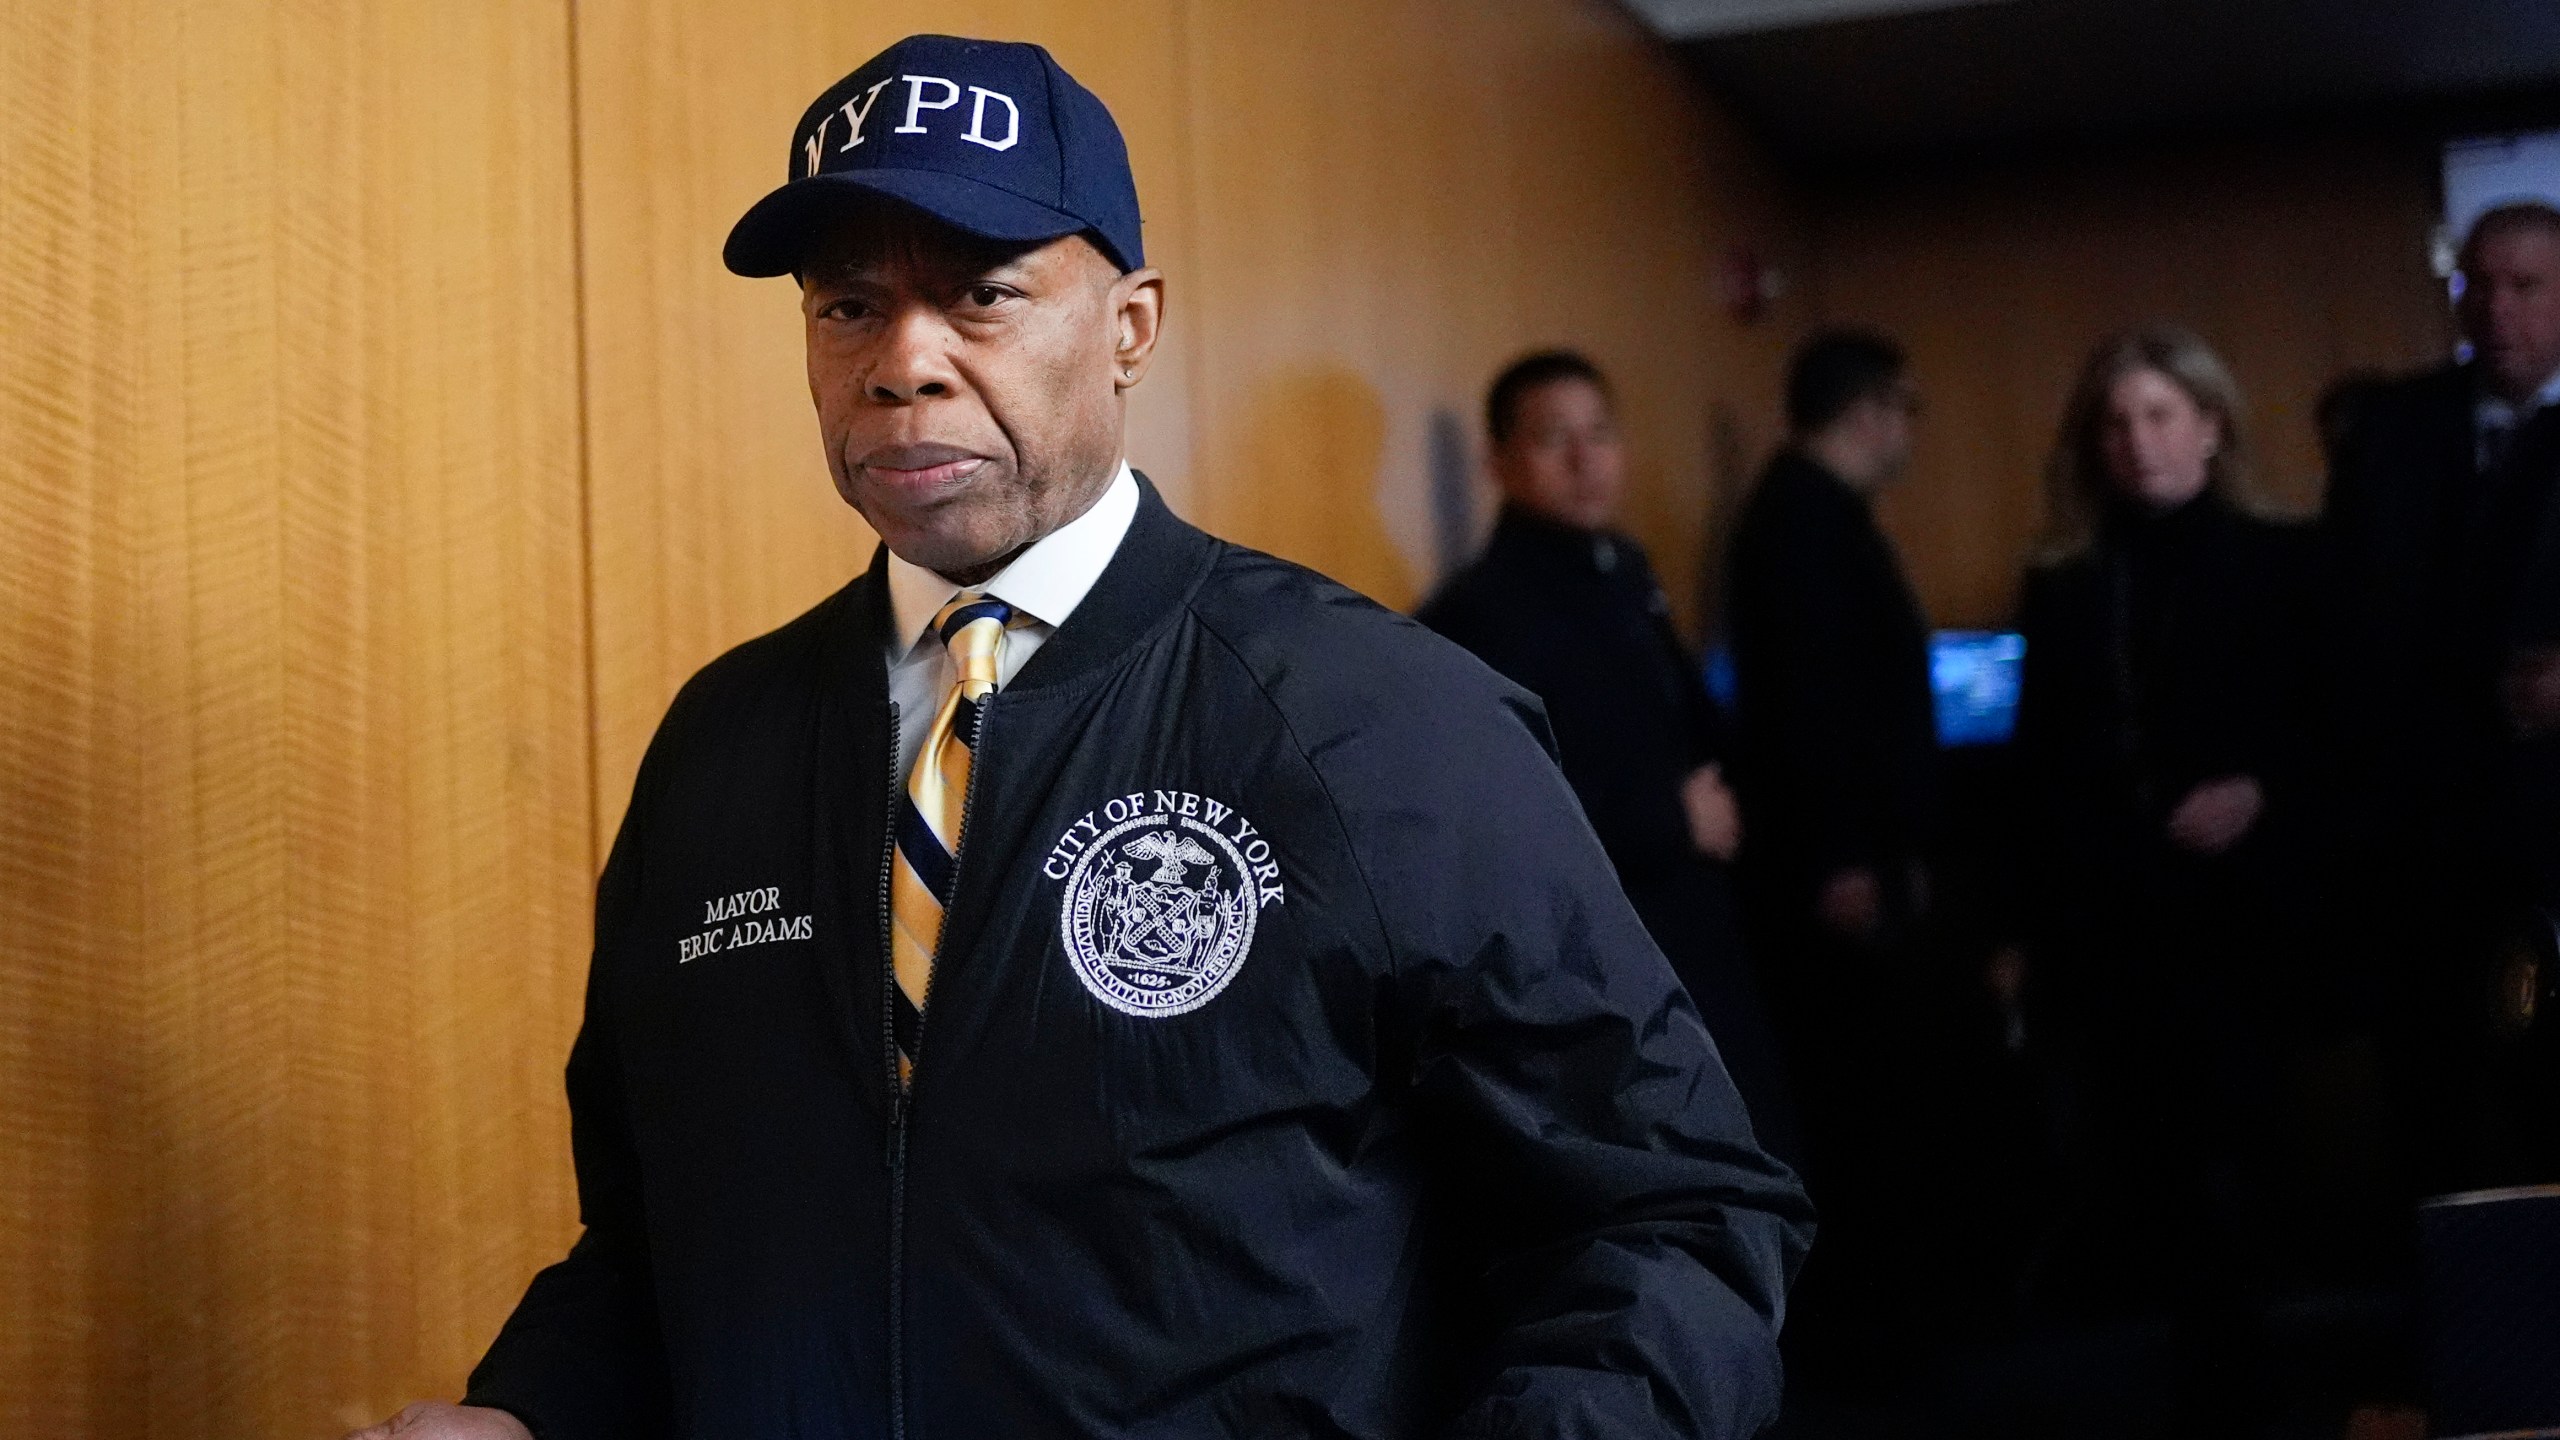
(1591, 1163)
(581, 1357)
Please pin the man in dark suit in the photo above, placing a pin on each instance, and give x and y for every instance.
(1840, 782)
(1831, 655)
(1568, 607)
(2435, 500)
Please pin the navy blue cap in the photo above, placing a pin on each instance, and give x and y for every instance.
(991, 138)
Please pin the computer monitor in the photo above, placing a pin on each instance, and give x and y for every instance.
(1975, 675)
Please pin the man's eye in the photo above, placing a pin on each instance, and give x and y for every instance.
(844, 310)
(986, 296)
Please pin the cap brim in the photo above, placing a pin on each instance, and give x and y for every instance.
(774, 236)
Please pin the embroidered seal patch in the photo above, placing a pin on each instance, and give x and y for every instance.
(1162, 891)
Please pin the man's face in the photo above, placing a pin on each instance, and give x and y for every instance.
(969, 391)
(2511, 307)
(1563, 458)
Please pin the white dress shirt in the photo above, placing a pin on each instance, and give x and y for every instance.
(1046, 583)
(2494, 422)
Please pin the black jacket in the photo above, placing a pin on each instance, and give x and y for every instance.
(2430, 557)
(2440, 569)
(1577, 618)
(2177, 649)
(1839, 752)
(1293, 1065)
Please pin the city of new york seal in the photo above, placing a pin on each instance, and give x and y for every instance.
(1160, 899)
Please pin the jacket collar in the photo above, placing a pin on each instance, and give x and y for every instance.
(1802, 469)
(1525, 533)
(1159, 563)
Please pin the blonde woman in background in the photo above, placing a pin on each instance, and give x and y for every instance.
(2167, 697)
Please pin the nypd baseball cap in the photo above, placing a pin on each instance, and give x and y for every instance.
(991, 138)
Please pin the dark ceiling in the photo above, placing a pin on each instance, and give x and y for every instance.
(2036, 73)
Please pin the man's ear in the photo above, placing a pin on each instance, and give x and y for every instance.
(1137, 321)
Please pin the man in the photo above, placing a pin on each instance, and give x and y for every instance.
(1831, 654)
(1568, 608)
(1085, 978)
(1840, 784)
(2435, 500)
(2517, 282)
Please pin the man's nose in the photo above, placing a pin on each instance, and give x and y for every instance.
(912, 362)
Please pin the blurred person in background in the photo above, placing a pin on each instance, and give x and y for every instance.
(2165, 747)
(2513, 287)
(2435, 500)
(1839, 773)
(1567, 606)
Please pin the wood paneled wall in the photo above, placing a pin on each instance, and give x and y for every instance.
(384, 443)
(294, 750)
(2301, 258)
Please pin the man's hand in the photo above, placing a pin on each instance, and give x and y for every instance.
(1715, 821)
(2216, 814)
(1851, 904)
(436, 1420)
(2531, 689)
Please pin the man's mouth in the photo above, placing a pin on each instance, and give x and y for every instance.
(921, 467)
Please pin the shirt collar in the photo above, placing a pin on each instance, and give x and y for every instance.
(1046, 582)
(2490, 410)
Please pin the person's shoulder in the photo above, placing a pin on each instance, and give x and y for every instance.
(2278, 547)
(789, 660)
(2057, 585)
(1329, 656)
(2438, 383)
(1393, 720)
(1466, 590)
(1798, 526)
(2271, 526)
(2061, 570)
(1794, 494)
(1481, 599)
(2443, 394)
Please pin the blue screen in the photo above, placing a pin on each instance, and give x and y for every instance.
(1717, 670)
(1975, 674)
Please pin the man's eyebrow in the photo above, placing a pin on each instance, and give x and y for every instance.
(839, 272)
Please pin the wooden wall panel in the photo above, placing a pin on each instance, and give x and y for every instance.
(2300, 258)
(1393, 202)
(714, 519)
(294, 783)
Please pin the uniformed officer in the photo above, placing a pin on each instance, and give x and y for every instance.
(1565, 605)
(1087, 978)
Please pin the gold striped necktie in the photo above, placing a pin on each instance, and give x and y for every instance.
(930, 813)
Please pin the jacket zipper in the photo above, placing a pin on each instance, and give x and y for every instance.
(902, 1097)
(888, 961)
(894, 1156)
